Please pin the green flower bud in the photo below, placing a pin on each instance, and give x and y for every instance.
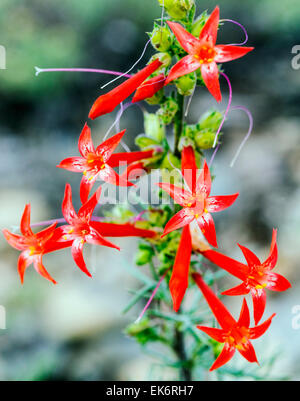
(186, 84)
(199, 24)
(204, 139)
(144, 142)
(177, 9)
(165, 58)
(143, 256)
(161, 38)
(154, 128)
(185, 141)
(168, 110)
(170, 161)
(210, 120)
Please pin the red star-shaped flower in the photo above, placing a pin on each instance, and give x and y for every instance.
(203, 53)
(235, 335)
(256, 276)
(99, 162)
(80, 228)
(196, 202)
(33, 246)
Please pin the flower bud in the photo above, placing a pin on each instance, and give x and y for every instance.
(177, 9)
(168, 110)
(186, 84)
(204, 139)
(199, 24)
(164, 58)
(143, 256)
(211, 120)
(154, 128)
(161, 38)
(144, 142)
(170, 161)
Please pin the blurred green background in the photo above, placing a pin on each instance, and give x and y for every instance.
(73, 331)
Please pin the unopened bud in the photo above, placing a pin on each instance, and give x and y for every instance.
(186, 84)
(154, 128)
(177, 9)
(204, 139)
(164, 58)
(161, 38)
(199, 24)
(168, 110)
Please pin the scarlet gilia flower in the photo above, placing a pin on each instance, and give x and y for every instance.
(108, 102)
(180, 275)
(149, 88)
(203, 53)
(99, 162)
(33, 246)
(121, 230)
(235, 335)
(80, 229)
(196, 202)
(256, 276)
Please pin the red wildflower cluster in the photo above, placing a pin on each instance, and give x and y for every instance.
(197, 206)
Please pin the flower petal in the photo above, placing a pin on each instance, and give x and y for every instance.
(207, 226)
(250, 257)
(74, 164)
(39, 267)
(204, 180)
(87, 209)
(109, 175)
(210, 30)
(248, 352)
(45, 235)
(95, 238)
(86, 185)
(180, 275)
(216, 334)
(149, 88)
(241, 289)
(23, 262)
(228, 52)
(180, 219)
(224, 357)
(244, 319)
(106, 148)
(189, 167)
(77, 248)
(259, 303)
(271, 261)
(108, 102)
(187, 41)
(258, 331)
(25, 222)
(67, 206)
(180, 195)
(276, 282)
(210, 75)
(219, 203)
(14, 240)
(85, 143)
(184, 66)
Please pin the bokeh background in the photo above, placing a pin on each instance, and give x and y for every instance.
(73, 331)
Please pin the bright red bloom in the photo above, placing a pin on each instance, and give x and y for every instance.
(149, 88)
(80, 229)
(99, 162)
(203, 53)
(197, 205)
(121, 230)
(108, 102)
(235, 335)
(33, 246)
(180, 274)
(256, 276)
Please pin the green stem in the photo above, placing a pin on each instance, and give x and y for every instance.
(179, 348)
(178, 123)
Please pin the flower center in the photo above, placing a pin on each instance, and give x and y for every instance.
(257, 278)
(237, 337)
(206, 55)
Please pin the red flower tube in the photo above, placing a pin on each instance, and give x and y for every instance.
(108, 102)
(149, 88)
